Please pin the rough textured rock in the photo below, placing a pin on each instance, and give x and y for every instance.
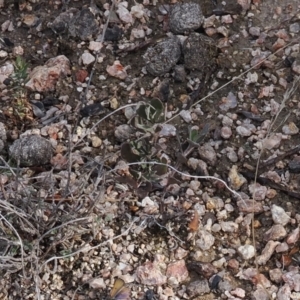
(150, 274)
(279, 215)
(205, 241)
(44, 78)
(276, 232)
(249, 206)
(113, 34)
(198, 288)
(246, 251)
(185, 17)
(208, 153)
(199, 52)
(236, 179)
(83, 25)
(177, 272)
(80, 24)
(228, 283)
(31, 150)
(161, 58)
(61, 22)
(267, 252)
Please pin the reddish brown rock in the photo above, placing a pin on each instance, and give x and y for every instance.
(151, 273)
(178, 271)
(81, 75)
(44, 78)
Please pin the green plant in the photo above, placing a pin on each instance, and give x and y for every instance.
(20, 75)
(20, 108)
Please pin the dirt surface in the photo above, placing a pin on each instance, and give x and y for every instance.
(167, 159)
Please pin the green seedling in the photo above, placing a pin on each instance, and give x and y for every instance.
(20, 109)
(196, 137)
(148, 115)
(20, 75)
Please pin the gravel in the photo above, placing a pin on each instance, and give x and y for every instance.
(195, 152)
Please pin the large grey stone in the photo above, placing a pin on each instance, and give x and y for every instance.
(161, 58)
(185, 17)
(199, 52)
(31, 150)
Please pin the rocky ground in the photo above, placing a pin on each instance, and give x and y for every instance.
(149, 149)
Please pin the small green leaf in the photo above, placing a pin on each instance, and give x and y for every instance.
(157, 110)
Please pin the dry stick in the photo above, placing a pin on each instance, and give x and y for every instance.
(66, 192)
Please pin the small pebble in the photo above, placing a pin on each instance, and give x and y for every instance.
(208, 153)
(87, 58)
(284, 293)
(276, 232)
(197, 288)
(3, 53)
(247, 251)
(282, 247)
(254, 31)
(243, 131)
(226, 132)
(293, 237)
(291, 129)
(186, 115)
(95, 46)
(206, 240)
(236, 179)
(229, 226)
(276, 275)
(294, 28)
(296, 66)
(279, 215)
(267, 253)
(96, 142)
(238, 292)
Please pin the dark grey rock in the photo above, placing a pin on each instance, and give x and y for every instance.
(80, 24)
(61, 23)
(199, 52)
(31, 150)
(161, 58)
(198, 288)
(294, 165)
(227, 283)
(185, 17)
(84, 25)
(113, 34)
(164, 90)
(179, 73)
